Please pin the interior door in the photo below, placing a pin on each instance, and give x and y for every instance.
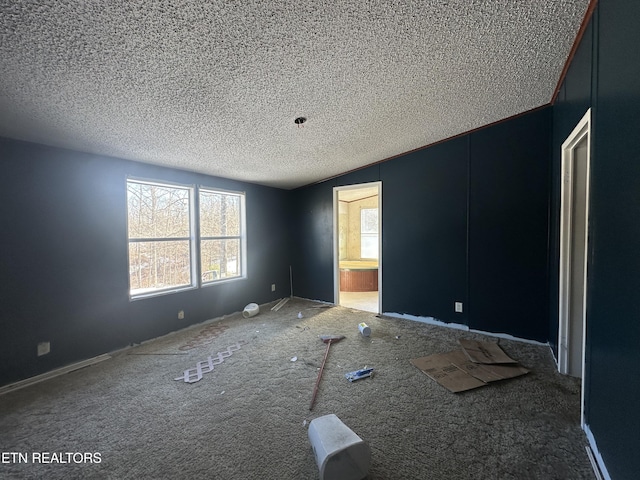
(573, 249)
(577, 294)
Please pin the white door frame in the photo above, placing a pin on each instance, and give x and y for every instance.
(336, 235)
(582, 130)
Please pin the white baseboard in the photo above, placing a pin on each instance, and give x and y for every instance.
(91, 361)
(459, 326)
(53, 373)
(599, 468)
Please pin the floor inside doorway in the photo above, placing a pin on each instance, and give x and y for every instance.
(366, 301)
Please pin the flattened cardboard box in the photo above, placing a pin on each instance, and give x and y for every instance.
(484, 352)
(440, 367)
(457, 373)
(491, 372)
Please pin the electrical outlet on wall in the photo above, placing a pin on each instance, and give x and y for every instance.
(181, 315)
(44, 348)
(273, 287)
(458, 307)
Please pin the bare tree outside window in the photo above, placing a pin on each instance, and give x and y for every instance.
(159, 224)
(163, 251)
(220, 235)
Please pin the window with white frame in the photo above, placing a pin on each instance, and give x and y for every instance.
(222, 226)
(164, 255)
(161, 238)
(369, 233)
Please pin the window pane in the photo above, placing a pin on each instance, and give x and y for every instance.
(156, 266)
(369, 233)
(157, 211)
(369, 220)
(220, 259)
(369, 246)
(219, 214)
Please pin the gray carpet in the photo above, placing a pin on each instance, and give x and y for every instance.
(248, 418)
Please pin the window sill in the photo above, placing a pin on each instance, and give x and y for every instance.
(160, 293)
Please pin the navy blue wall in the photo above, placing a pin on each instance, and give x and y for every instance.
(63, 260)
(437, 250)
(508, 226)
(312, 242)
(604, 75)
(311, 227)
(613, 310)
(425, 232)
(573, 101)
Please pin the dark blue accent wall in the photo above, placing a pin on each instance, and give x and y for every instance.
(604, 75)
(63, 258)
(614, 270)
(312, 242)
(424, 232)
(311, 227)
(508, 226)
(573, 101)
(465, 221)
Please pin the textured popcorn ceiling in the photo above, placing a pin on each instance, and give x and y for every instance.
(214, 86)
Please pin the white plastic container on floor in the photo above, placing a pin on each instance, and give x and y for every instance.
(251, 310)
(365, 330)
(340, 453)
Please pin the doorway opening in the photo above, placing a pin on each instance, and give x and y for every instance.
(357, 251)
(574, 230)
